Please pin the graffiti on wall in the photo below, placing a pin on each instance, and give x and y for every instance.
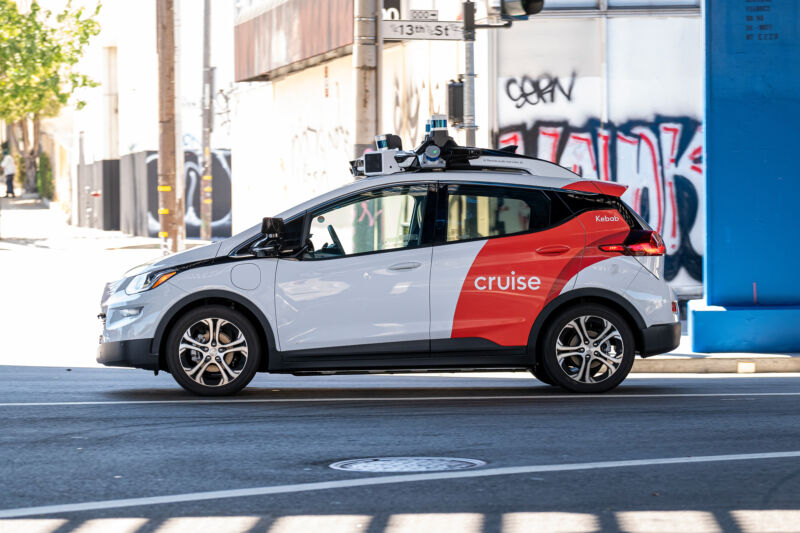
(542, 89)
(322, 141)
(660, 161)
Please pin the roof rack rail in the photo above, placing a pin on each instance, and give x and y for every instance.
(438, 151)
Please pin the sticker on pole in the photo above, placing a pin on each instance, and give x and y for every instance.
(433, 30)
(424, 14)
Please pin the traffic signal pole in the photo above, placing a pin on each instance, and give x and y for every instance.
(468, 16)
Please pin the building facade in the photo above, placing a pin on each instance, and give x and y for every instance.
(611, 89)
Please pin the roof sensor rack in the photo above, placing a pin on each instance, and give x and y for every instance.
(438, 151)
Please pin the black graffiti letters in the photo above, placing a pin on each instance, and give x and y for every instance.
(542, 89)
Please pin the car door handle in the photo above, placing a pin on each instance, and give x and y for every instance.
(411, 265)
(555, 249)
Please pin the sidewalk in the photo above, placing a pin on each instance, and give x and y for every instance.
(52, 276)
(51, 280)
(683, 359)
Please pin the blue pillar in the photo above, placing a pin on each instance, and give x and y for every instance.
(752, 156)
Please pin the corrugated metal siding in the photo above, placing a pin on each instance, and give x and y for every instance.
(295, 31)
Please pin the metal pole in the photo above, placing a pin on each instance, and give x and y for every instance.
(364, 64)
(206, 188)
(379, 70)
(468, 15)
(167, 205)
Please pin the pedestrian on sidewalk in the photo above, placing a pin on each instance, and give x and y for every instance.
(7, 165)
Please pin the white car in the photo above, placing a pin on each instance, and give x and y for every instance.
(439, 259)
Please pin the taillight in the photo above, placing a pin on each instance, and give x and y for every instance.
(638, 242)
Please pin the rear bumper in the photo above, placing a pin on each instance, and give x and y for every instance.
(661, 338)
(134, 353)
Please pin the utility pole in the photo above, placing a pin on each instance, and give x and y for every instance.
(170, 216)
(208, 102)
(365, 32)
(468, 16)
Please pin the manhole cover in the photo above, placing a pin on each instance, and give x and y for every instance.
(407, 464)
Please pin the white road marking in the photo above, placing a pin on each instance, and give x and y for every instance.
(217, 524)
(593, 397)
(117, 525)
(327, 523)
(771, 520)
(550, 523)
(667, 522)
(44, 525)
(382, 480)
(413, 523)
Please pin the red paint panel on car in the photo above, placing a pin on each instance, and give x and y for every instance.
(509, 283)
(601, 187)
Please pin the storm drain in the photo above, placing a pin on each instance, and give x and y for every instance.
(407, 464)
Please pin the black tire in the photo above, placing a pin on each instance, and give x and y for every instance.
(540, 373)
(241, 364)
(571, 372)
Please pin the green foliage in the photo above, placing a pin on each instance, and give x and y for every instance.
(44, 177)
(39, 53)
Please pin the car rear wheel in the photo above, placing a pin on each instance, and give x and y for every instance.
(540, 373)
(588, 349)
(213, 351)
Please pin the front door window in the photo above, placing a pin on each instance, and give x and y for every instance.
(373, 221)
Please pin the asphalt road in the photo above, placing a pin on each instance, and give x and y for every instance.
(692, 454)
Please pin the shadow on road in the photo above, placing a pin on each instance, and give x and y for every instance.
(465, 393)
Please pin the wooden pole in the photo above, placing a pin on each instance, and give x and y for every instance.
(167, 194)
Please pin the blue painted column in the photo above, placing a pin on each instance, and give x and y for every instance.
(752, 157)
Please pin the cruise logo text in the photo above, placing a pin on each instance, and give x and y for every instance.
(508, 283)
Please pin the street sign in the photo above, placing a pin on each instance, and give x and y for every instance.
(400, 30)
(424, 14)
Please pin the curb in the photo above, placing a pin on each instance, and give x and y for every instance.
(714, 365)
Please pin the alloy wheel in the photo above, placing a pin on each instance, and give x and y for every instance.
(213, 352)
(589, 349)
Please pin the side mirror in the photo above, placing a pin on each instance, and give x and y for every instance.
(274, 231)
(273, 227)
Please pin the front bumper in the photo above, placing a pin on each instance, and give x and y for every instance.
(132, 353)
(660, 338)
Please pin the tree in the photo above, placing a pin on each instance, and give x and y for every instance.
(39, 54)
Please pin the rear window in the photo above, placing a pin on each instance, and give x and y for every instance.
(578, 203)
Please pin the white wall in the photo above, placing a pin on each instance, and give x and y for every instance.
(290, 140)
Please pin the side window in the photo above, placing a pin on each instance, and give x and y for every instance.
(476, 212)
(372, 221)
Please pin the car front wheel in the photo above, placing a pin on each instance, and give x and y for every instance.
(588, 349)
(213, 351)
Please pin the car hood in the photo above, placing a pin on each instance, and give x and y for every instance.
(194, 255)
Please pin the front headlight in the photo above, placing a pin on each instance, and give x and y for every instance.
(148, 280)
